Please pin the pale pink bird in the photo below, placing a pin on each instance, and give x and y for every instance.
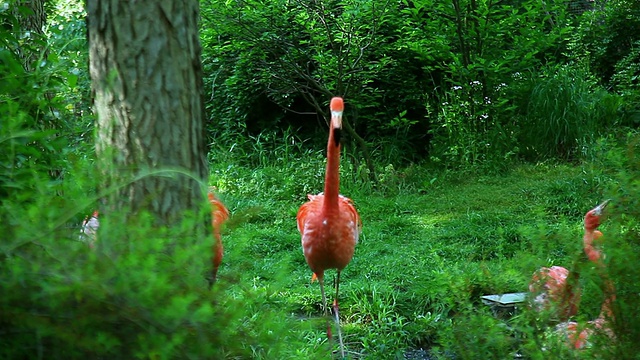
(89, 229)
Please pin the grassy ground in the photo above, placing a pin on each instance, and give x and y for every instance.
(432, 244)
(434, 241)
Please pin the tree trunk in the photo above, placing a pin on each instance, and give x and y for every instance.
(31, 18)
(146, 76)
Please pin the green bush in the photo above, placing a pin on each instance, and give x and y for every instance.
(561, 111)
(472, 131)
(605, 37)
(142, 294)
(623, 241)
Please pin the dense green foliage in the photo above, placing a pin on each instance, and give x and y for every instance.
(458, 82)
(491, 127)
(563, 112)
(45, 117)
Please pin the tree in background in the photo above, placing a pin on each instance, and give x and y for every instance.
(27, 43)
(607, 36)
(420, 77)
(607, 42)
(29, 21)
(297, 54)
(151, 299)
(146, 74)
(480, 51)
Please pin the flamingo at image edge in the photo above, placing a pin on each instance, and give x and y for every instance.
(329, 223)
(577, 336)
(556, 287)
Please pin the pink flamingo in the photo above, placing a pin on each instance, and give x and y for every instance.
(578, 337)
(329, 223)
(555, 287)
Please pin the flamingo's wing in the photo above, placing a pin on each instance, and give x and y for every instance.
(307, 209)
(548, 281)
(347, 207)
(219, 212)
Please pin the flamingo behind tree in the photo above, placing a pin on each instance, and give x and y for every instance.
(219, 214)
(577, 336)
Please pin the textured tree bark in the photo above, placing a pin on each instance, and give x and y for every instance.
(31, 17)
(147, 81)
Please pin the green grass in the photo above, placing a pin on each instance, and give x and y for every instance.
(429, 248)
(564, 112)
(434, 241)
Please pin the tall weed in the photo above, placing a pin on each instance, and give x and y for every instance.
(622, 243)
(561, 110)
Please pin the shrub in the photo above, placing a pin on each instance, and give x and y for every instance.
(561, 109)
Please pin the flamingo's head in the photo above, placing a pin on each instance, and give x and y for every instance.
(337, 107)
(592, 218)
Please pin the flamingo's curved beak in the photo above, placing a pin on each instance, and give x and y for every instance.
(600, 208)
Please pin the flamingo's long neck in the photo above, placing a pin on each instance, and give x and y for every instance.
(591, 233)
(591, 223)
(332, 175)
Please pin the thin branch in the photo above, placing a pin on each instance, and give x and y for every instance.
(213, 83)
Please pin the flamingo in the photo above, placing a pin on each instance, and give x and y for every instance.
(556, 286)
(219, 214)
(329, 223)
(578, 336)
(553, 290)
(591, 232)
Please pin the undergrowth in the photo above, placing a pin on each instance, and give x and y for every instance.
(434, 242)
